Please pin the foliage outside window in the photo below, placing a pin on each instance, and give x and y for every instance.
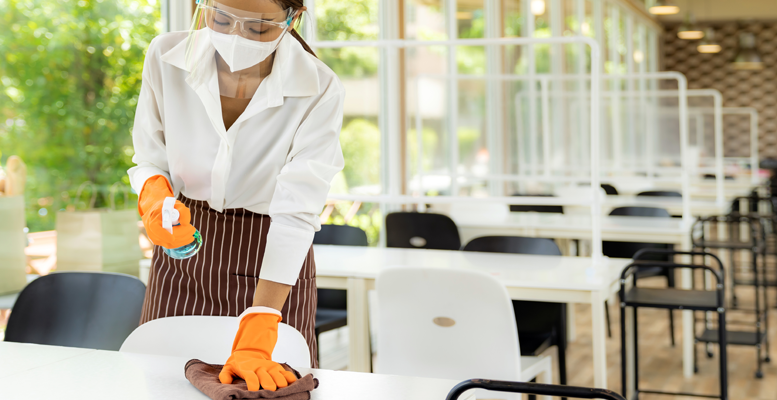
(70, 75)
(360, 138)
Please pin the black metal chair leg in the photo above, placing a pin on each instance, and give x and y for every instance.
(562, 348)
(636, 356)
(670, 282)
(607, 318)
(722, 349)
(624, 378)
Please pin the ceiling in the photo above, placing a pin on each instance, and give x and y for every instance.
(725, 10)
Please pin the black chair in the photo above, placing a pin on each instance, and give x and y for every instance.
(709, 301)
(660, 193)
(536, 208)
(540, 324)
(712, 176)
(342, 235)
(414, 230)
(77, 309)
(332, 309)
(628, 249)
(609, 189)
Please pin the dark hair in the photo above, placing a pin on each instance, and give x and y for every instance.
(296, 5)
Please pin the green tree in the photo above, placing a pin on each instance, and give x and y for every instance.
(360, 141)
(348, 20)
(70, 75)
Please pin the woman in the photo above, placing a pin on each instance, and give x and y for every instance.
(240, 121)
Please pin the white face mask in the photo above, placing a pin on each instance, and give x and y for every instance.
(241, 53)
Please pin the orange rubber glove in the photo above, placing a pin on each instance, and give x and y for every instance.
(152, 197)
(251, 357)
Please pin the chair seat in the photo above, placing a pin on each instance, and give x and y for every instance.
(328, 319)
(732, 337)
(672, 298)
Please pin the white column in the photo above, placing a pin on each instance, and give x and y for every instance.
(495, 95)
(453, 95)
(388, 76)
(310, 27)
(176, 15)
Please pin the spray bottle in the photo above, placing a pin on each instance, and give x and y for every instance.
(169, 219)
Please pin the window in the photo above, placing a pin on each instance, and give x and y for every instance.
(360, 138)
(69, 81)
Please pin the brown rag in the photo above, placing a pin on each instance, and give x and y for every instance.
(205, 377)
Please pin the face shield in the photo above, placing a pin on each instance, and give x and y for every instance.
(245, 34)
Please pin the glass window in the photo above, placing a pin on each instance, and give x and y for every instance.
(69, 82)
(425, 20)
(360, 138)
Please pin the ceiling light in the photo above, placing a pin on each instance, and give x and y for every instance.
(538, 7)
(747, 57)
(708, 45)
(664, 7)
(688, 30)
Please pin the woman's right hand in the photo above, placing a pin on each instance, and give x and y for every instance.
(150, 203)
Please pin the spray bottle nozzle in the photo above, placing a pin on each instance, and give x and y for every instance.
(170, 215)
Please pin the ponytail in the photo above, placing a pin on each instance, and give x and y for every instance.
(302, 42)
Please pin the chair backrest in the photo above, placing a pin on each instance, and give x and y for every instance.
(536, 208)
(450, 324)
(209, 339)
(530, 317)
(713, 176)
(641, 212)
(342, 235)
(513, 244)
(660, 193)
(77, 309)
(627, 249)
(609, 189)
(413, 230)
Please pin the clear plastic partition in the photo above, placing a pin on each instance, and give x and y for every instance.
(541, 139)
(740, 142)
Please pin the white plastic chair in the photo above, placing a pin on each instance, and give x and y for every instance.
(450, 324)
(209, 339)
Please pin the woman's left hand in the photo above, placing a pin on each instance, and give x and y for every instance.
(251, 357)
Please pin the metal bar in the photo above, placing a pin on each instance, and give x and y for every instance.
(532, 388)
(546, 142)
(718, 126)
(453, 93)
(518, 200)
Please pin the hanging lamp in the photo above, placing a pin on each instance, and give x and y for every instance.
(747, 57)
(708, 45)
(688, 30)
(664, 7)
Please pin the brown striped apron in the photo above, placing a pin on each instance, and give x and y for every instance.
(221, 278)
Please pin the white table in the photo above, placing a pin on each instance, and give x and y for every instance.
(699, 207)
(563, 226)
(38, 371)
(527, 277)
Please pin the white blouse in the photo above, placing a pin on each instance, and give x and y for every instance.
(278, 158)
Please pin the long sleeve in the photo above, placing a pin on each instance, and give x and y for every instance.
(148, 135)
(301, 190)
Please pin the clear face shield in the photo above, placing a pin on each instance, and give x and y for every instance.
(245, 34)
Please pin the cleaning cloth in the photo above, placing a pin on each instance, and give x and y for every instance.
(205, 377)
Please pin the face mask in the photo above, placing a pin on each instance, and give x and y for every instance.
(241, 53)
